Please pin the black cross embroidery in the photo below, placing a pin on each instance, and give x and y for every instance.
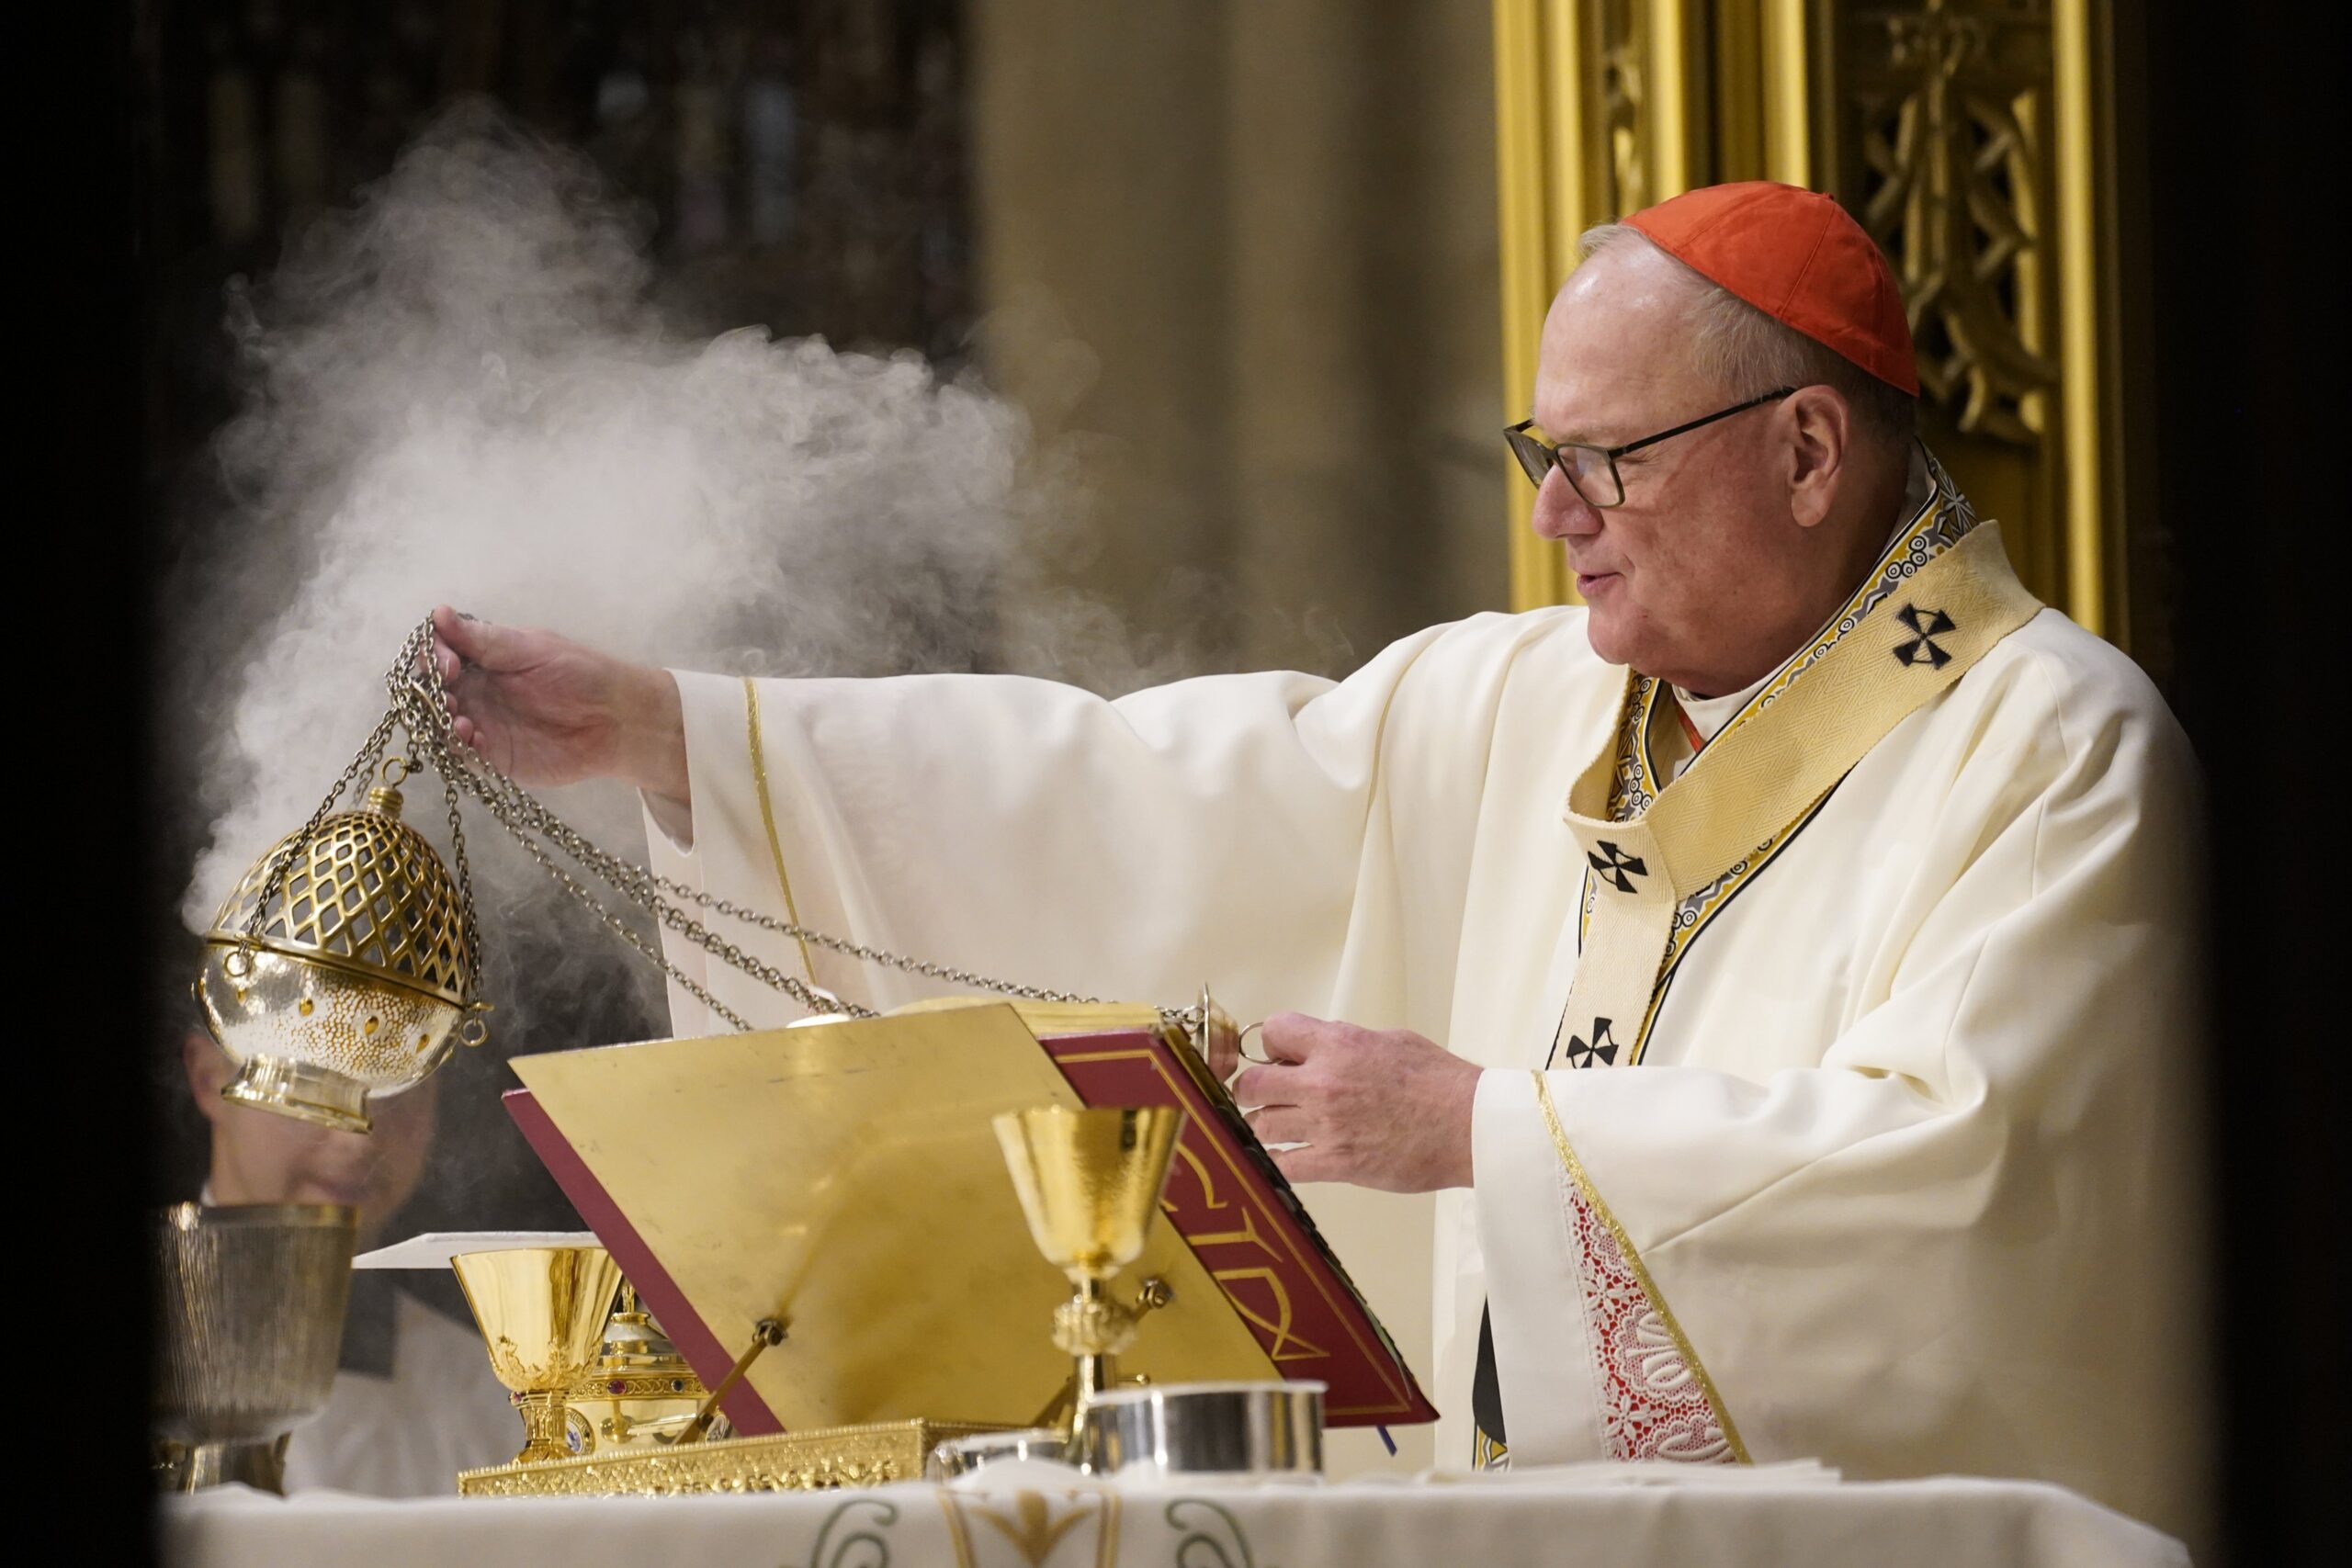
(1603, 1048)
(1924, 627)
(1618, 868)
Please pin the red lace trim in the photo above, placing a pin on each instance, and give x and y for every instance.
(1652, 1405)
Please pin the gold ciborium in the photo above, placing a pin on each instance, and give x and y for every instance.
(543, 1311)
(1089, 1183)
(640, 1394)
(339, 967)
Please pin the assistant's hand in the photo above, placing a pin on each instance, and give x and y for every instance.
(1383, 1109)
(544, 710)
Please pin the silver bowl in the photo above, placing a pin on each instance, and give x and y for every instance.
(970, 1455)
(1172, 1430)
(249, 1305)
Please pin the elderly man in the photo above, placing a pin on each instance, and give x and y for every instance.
(1780, 961)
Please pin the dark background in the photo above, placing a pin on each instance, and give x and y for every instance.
(2241, 141)
(2250, 451)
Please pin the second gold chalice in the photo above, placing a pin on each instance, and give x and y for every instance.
(1089, 1183)
(543, 1311)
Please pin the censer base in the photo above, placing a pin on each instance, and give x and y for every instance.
(815, 1460)
(298, 1090)
(191, 1467)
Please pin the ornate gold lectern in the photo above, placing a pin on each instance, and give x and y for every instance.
(825, 1214)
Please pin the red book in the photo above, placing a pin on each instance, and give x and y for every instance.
(1224, 1197)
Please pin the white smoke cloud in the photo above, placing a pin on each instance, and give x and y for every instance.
(457, 392)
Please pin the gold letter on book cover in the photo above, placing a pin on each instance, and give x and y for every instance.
(1287, 1346)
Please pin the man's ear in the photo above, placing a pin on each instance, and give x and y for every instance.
(1820, 426)
(208, 1069)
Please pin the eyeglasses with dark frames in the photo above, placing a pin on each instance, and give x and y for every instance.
(1591, 471)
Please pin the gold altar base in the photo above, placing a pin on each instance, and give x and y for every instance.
(787, 1461)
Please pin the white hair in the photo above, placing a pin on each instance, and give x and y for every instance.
(1746, 352)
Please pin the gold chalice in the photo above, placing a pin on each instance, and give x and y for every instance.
(1089, 1183)
(543, 1310)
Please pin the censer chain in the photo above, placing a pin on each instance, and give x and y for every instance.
(419, 705)
(523, 816)
(421, 702)
(291, 849)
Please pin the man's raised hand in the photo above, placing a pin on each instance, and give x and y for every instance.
(1378, 1108)
(544, 710)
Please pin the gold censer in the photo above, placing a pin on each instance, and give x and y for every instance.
(341, 966)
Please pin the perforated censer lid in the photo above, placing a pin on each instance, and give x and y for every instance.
(369, 893)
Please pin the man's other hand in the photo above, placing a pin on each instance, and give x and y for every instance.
(546, 711)
(1378, 1108)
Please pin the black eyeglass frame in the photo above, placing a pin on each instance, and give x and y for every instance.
(1536, 459)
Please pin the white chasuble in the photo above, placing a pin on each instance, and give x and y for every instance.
(1838, 1091)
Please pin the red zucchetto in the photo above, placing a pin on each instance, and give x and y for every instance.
(1796, 256)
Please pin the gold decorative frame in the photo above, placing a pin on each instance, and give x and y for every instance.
(870, 1455)
(1975, 138)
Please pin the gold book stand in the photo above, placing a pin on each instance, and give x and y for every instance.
(831, 1200)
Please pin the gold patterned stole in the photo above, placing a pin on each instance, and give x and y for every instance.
(1662, 859)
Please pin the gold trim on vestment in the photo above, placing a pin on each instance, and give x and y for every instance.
(1690, 918)
(1943, 519)
(767, 817)
(1641, 1270)
(1680, 849)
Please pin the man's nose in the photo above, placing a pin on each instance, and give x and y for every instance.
(1560, 512)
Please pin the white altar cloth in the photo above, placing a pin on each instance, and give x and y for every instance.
(1616, 1514)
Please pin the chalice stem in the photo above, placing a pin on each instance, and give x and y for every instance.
(1095, 1375)
(543, 1426)
(1092, 1347)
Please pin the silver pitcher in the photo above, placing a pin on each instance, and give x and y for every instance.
(249, 1308)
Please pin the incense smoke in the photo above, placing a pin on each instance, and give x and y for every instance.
(458, 391)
